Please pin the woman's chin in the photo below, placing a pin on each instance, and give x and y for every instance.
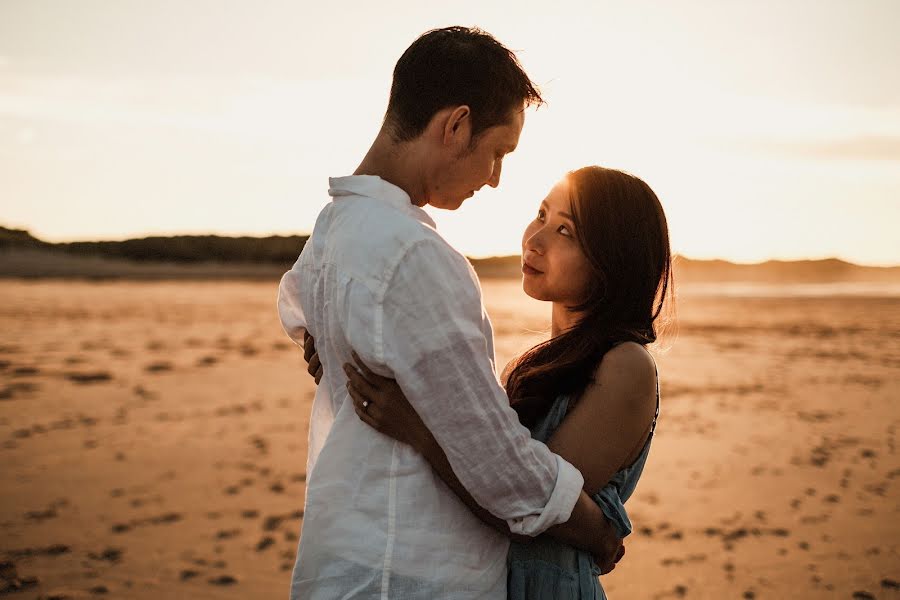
(533, 291)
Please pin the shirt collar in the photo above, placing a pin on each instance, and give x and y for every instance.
(372, 186)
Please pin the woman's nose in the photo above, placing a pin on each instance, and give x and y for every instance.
(535, 243)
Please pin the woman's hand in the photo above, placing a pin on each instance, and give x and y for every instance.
(381, 404)
(313, 365)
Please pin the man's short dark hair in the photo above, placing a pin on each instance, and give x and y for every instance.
(451, 67)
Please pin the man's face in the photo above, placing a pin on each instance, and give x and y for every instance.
(467, 170)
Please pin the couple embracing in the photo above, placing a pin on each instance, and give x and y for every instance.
(430, 475)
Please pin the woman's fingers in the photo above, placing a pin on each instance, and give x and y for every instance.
(368, 413)
(362, 385)
(309, 346)
(314, 365)
(367, 372)
(366, 418)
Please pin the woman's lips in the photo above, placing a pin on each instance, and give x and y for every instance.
(529, 270)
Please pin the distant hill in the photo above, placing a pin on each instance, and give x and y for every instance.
(829, 270)
(215, 257)
(179, 249)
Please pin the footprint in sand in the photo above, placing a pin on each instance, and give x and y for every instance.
(143, 393)
(227, 534)
(158, 520)
(264, 543)
(223, 580)
(89, 377)
(25, 371)
(11, 581)
(260, 443)
(53, 550)
(111, 555)
(16, 389)
(43, 515)
(207, 361)
(272, 522)
(159, 367)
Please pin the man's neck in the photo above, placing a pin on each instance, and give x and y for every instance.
(396, 164)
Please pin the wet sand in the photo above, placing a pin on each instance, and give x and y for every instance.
(153, 437)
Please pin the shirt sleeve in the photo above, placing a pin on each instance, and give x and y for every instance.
(293, 320)
(432, 339)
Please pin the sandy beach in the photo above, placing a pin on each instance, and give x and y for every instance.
(153, 441)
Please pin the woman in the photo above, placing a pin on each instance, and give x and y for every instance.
(598, 251)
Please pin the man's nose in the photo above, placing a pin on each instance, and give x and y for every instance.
(494, 181)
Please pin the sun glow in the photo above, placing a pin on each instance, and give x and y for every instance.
(750, 161)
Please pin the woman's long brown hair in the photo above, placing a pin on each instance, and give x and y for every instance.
(622, 230)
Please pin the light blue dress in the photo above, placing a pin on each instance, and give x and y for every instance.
(547, 569)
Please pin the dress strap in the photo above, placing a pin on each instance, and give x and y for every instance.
(656, 416)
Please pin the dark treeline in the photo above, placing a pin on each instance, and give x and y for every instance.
(180, 249)
(277, 252)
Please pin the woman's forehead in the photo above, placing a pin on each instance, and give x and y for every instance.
(558, 197)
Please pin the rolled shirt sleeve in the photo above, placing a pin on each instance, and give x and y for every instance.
(290, 312)
(429, 332)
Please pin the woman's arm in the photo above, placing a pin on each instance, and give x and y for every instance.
(587, 528)
(380, 403)
(611, 420)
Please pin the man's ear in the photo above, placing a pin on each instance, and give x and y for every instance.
(458, 126)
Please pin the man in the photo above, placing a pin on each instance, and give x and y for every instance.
(377, 278)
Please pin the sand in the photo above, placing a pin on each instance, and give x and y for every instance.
(153, 442)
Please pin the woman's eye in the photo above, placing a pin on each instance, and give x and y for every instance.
(540, 214)
(565, 231)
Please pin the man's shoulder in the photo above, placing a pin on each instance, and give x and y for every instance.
(374, 241)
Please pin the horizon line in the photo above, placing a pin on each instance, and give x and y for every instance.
(675, 255)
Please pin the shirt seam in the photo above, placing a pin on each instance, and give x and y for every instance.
(392, 527)
(381, 294)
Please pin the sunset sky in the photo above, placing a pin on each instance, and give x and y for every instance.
(768, 129)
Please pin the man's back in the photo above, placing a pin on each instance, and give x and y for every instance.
(378, 521)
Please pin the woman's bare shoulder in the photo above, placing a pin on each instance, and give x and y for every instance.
(628, 359)
(629, 371)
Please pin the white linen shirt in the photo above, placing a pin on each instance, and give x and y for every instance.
(376, 277)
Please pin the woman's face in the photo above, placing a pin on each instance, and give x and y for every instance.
(554, 266)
